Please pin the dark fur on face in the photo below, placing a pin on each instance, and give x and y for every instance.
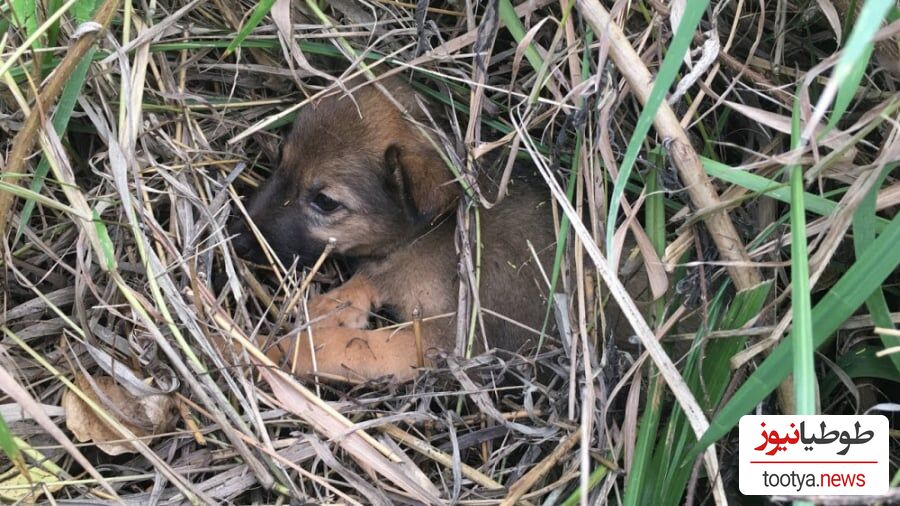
(353, 169)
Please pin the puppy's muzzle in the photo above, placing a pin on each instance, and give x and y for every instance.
(244, 242)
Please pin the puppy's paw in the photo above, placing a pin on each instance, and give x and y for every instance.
(348, 305)
(328, 311)
(350, 356)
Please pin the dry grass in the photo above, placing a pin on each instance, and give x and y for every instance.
(118, 262)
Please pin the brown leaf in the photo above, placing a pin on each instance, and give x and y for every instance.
(144, 416)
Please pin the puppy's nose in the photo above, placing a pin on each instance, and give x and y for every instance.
(242, 239)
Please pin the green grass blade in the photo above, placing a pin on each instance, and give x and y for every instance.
(860, 363)
(636, 484)
(804, 350)
(597, 475)
(863, 234)
(775, 190)
(512, 22)
(83, 11)
(7, 443)
(53, 31)
(668, 71)
(25, 16)
(870, 270)
(107, 248)
(709, 373)
(27, 194)
(855, 57)
(259, 12)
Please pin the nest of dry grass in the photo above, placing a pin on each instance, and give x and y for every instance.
(118, 261)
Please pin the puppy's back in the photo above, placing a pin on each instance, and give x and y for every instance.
(424, 275)
(518, 241)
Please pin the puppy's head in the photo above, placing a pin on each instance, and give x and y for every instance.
(353, 169)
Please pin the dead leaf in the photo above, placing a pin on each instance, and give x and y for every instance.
(834, 139)
(144, 416)
(281, 15)
(710, 50)
(834, 19)
(18, 488)
(16, 413)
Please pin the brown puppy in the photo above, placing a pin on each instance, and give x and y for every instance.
(355, 169)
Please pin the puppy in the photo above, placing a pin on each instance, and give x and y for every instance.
(359, 170)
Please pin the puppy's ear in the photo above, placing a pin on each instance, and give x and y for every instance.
(398, 181)
(421, 179)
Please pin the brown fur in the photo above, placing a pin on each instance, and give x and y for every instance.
(396, 221)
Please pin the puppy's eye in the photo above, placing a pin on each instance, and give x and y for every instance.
(325, 204)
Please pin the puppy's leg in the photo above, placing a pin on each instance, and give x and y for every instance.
(348, 305)
(351, 355)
